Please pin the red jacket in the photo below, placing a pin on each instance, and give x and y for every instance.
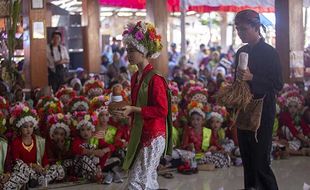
(285, 119)
(19, 152)
(155, 113)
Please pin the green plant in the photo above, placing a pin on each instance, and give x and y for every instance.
(9, 73)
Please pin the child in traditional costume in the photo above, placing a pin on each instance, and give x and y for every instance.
(293, 129)
(90, 153)
(28, 152)
(65, 94)
(106, 132)
(149, 108)
(59, 143)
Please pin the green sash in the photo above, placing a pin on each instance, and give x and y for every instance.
(175, 137)
(136, 131)
(3, 152)
(206, 138)
(221, 134)
(94, 142)
(110, 134)
(40, 145)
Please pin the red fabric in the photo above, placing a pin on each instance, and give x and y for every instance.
(77, 146)
(174, 6)
(285, 119)
(19, 152)
(215, 140)
(77, 149)
(154, 115)
(54, 153)
(122, 137)
(190, 137)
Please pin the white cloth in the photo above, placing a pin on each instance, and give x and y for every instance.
(51, 60)
(143, 174)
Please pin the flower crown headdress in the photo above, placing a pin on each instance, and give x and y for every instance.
(197, 93)
(99, 104)
(59, 120)
(78, 101)
(93, 87)
(289, 97)
(197, 107)
(65, 92)
(21, 114)
(218, 112)
(144, 38)
(86, 119)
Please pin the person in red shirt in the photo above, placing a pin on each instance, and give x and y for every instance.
(149, 108)
(294, 132)
(91, 154)
(59, 144)
(28, 151)
(106, 132)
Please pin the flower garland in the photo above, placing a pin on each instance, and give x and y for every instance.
(197, 93)
(144, 37)
(59, 120)
(93, 87)
(292, 96)
(87, 119)
(98, 104)
(79, 101)
(198, 107)
(67, 92)
(218, 112)
(21, 114)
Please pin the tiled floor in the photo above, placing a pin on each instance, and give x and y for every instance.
(291, 175)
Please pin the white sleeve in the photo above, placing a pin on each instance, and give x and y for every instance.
(65, 54)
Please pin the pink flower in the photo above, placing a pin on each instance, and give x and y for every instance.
(125, 32)
(139, 35)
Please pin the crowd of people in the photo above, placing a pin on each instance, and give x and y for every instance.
(70, 134)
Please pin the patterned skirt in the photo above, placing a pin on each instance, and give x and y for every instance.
(143, 174)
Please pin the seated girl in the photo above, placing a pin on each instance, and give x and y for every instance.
(91, 154)
(28, 152)
(59, 144)
(294, 133)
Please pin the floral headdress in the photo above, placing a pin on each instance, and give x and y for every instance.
(143, 36)
(188, 85)
(86, 119)
(93, 88)
(197, 93)
(289, 97)
(2, 123)
(78, 101)
(289, 88)
(59, 120)
(218, 112)
(65, 92)
(198, 107)
(46, 100)
(173, 86)
(3, 103)
(20, 114)
(99, 104)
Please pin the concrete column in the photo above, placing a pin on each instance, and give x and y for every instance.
(224, 26)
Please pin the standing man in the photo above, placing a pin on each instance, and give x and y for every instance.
(264, 77)
(57, 60)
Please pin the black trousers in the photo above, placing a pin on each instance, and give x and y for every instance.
(256, 154)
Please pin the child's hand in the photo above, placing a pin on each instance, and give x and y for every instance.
(37, 168)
